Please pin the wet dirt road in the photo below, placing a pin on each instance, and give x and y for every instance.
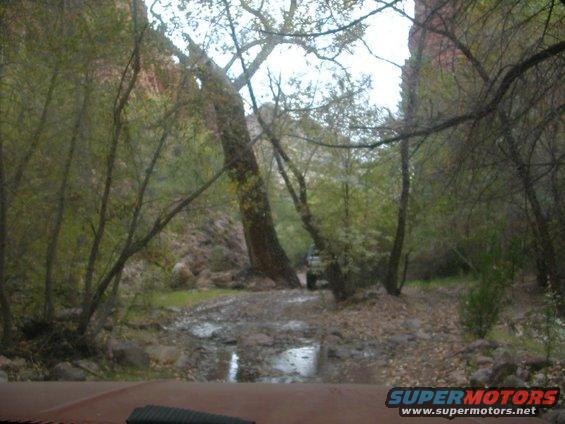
(270, 337)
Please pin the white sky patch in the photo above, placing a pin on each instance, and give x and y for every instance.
(386, 35)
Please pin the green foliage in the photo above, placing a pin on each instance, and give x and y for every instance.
(552, 327)
(481, 305)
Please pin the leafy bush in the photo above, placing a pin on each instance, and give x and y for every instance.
(482, 303)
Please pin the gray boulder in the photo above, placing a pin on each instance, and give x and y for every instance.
(64, 371)
(87, 365)
(182, 276)
(535, 363)
(30, 374)
(484, 361)
(481, 377)
(128, 353)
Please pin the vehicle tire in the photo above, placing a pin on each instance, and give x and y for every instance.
(310, 281)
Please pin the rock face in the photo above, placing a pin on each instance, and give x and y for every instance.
(128, 353)
(216, 244)
(64, 371)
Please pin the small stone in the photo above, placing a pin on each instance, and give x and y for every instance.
(229, 340)
(87, 365)
(257, 339)
(183, 361)
(535, 363)
(31, 375)
(337, 353)
(539, 380)
(480, 345)
(64, 371)
(513, 381)
(412, 324)
(5, 363)
(502, 355)
(128, 353)
(500, 371)
(481, 377)
(458, 377)
(523, 374)
(484, 361)
(163, 354)
(401, 338)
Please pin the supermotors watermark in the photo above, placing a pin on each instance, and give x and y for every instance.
(451, 402)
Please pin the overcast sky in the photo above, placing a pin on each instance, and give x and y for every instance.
(386, 36)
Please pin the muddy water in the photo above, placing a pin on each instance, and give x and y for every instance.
(266, 337)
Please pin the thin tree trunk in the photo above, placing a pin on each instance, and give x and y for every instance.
(37, 133)
(121, 102)
(4, 301)
(411, 81)
(52, 245)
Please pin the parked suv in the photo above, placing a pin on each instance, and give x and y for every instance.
(315, 267)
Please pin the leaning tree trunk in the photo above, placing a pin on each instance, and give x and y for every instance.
(265, 252)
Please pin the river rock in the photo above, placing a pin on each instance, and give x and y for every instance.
(480, 345)
(484, 361)
(513, 381)
(64, 371)
(412, 324)
(184, 361)
(30, 374)
(500, 371)
(399, 339)
(481, 377)
(5, 363)
(539, 380)
(128, 353)
(535, 363)
(163, 354)
(89, 366)
(458, 377)
(257, 339)
(523, 373)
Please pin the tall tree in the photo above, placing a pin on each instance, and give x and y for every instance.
(410, 85)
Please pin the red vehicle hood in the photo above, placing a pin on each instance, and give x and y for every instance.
(113, 402)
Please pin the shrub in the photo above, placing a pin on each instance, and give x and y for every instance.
(482, 303)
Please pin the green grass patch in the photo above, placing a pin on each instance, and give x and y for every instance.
(183, 298)
(156, 305)
(440, 282)
(529, 344)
